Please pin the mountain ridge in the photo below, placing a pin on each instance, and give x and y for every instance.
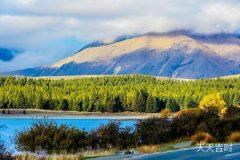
(174, 54)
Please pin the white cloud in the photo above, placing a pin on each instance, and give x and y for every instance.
(218, 17)
(38, 21)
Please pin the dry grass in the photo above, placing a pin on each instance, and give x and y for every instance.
(26, 157)
(51, 157)
(65, 157)
(78, 156)
(98, 153)
(165, 113)
(188, 112)
(148, 148)
(234, 137)
(202, 138)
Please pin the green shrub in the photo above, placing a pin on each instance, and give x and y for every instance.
(50, 137)
(184, 123)
(202, 127)
(232, 112)
(112, 135)
(153, 131)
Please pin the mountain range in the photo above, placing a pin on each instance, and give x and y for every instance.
(174, 54)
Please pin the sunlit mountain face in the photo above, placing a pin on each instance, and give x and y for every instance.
(175, 54)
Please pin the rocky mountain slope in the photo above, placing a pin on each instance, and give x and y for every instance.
(178, 55)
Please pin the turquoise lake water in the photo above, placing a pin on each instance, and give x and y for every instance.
(10, 126)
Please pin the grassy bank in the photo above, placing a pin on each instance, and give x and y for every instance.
(77, 156)
(144, 149)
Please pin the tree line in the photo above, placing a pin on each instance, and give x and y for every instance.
(113, 94)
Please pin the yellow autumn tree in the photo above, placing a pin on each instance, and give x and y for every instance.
(213, 101)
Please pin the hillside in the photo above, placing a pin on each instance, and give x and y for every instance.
(177, 55)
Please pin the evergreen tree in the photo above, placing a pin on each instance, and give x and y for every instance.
(189, 103)
(19, 100)
(63, 105)
(172, 105)
(117, 105)
(151, 105)
(236, 100)
(39, 104)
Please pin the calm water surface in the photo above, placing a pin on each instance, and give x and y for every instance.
(11, 125)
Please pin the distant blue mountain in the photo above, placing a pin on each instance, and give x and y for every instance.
(6, 54)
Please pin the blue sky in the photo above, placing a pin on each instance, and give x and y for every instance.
(48, 30)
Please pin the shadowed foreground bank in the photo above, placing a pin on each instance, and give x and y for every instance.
(198, 125)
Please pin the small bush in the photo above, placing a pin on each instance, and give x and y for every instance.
(165, 113)
(213, 101)
(153, 131)
(234, 137)
(202, 127)
(232, 112)
(202, 138)
(112, 135)
(148, 149)
(126, 138)
(108, 135)
(184, 122)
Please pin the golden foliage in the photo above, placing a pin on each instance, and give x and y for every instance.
(191, 111)
(166, 113)
(213, 101)
(234, 137)
(148, 149)
(202, 138)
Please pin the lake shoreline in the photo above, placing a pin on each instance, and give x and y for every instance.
(39, 114)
